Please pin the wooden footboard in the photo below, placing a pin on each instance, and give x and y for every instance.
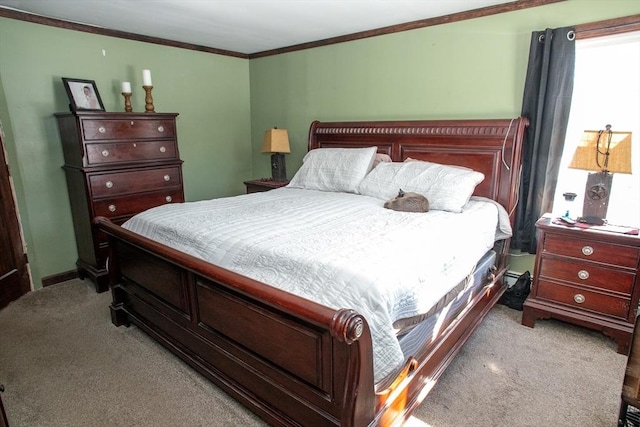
(291, 361)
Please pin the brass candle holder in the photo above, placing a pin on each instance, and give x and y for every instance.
(127, 102)
(148, 99)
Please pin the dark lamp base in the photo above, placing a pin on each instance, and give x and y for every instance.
(596, 197)
(278, 167)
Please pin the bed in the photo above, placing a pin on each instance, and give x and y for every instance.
(289, 358)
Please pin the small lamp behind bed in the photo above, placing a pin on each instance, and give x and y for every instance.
(276, 141)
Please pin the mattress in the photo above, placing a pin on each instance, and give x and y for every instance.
(448, 308)
(340, 250)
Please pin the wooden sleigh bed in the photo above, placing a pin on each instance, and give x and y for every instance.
(288, 359)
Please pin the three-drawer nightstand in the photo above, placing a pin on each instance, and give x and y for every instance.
(586, 277)
(258, 185)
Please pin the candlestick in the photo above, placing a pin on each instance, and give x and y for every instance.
(127, 101)
(148, 99)
(126, 87)
(146, 78)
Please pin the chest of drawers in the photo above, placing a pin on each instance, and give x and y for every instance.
(589, 278)
(116, 165)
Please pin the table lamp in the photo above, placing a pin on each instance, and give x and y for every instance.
(606, 152)
(276, 141)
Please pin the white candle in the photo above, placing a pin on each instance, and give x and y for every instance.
(146, 78)
(126, 87)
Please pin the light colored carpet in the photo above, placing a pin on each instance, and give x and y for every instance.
(63, 363)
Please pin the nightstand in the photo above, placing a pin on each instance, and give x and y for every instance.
(586, 277)
(258, 185)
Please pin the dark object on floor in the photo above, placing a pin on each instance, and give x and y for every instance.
(630, 404)
(514, 296)
(3, 416)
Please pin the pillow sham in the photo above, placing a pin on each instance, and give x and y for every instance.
(334, 169)
(448, 188)
(380, 158)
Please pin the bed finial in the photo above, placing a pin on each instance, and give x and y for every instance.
(347, 325)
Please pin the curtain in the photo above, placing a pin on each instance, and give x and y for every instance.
(546, 102)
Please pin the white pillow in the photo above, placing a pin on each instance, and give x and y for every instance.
(334, 169)
(448, 188)
(381, 158)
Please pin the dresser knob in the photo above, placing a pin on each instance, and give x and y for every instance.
(135, 145)
(167, 178)
(112, 208)
(587, 250)
(168, 198)
(583, 274)
(102, 129)
(579, 298)
(162, 149)
(109, 184)
(132, 122)
(105, 153)
(160, 128)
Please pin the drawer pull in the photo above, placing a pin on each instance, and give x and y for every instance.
(131, 122)
(102, 129)
(135, 145)
(583, 274)
(160, 129)
(162, 149)
(167, 178)
(587, 250)
(105, 153)
(109, 184)
(112, 208)
(168, 198)
(579, 298)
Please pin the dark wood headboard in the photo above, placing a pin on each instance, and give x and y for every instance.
(492, 146)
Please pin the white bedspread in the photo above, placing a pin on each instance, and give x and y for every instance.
(340, 250)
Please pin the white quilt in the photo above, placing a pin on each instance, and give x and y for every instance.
(338, 249)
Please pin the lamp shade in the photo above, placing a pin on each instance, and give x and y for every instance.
(596, 152)
(276, 141)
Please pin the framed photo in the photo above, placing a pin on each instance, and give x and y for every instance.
(83, 95)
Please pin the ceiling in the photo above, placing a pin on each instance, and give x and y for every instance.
(245, 26)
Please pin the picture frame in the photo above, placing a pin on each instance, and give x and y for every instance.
(83, 94)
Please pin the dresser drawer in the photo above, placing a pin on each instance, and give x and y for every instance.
(623, 256)
(105, 129)
(587, 274)
(583, 299)
(122, 152)
(131, 205)
(117, 183)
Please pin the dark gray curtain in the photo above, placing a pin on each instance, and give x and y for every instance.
(546, 102)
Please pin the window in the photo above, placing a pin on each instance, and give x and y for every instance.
(606, 91)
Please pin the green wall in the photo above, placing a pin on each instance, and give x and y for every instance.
(468, 69)
(473, 68)
(210, 92)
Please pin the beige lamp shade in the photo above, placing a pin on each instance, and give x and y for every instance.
(276, 141)
(596, 153)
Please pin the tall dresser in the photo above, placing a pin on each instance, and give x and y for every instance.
(116, 165)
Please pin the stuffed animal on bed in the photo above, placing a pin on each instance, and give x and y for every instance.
(408, 202)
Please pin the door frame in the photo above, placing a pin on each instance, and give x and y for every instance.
(22, 283)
